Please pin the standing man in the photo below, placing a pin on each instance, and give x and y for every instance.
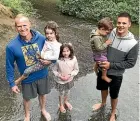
(23, 50)
(122, 54)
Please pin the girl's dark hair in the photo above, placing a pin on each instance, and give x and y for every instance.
(68, 45)
(53, 26)
(105, 23)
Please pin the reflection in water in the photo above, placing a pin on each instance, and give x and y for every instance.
(9, 106)
(102, 115)
(42, 118)
(63, 116)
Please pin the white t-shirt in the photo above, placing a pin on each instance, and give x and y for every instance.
(51, 50)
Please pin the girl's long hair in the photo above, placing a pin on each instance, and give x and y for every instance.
(54, 27)
(68, 45)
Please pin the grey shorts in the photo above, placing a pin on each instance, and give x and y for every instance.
(39, 87)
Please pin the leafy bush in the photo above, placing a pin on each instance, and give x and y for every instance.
(96, 9)
(20, 6)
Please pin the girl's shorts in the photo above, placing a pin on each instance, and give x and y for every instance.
(64, 87)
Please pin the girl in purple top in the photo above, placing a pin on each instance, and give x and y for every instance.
(64, 70)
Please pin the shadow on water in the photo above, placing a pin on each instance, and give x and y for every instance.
(63, 116)
(60, 116)
(102, 115)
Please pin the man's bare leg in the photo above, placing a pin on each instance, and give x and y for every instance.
(113, 112)
(104, 94)
(42, 100)
(26, 104)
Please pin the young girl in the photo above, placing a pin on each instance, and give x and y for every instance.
(49, 52)
(99, 44)
(64, 70)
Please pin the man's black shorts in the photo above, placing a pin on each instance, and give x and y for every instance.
(114, 85)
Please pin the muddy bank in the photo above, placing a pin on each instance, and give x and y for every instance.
(6, 27)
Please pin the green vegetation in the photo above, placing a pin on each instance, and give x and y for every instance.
(20, 6)
(97, 9)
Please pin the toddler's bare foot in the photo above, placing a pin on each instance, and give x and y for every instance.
(105, 78)
(68, 105)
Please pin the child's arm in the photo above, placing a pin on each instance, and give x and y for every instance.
(76, 68)
(98, 43)
(108, 42)
(55, 69)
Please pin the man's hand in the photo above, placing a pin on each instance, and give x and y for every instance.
(45, 62)
(15, 89)
(105, 65)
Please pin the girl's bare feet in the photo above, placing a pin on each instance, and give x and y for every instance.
(68, 105)
(62, 109)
